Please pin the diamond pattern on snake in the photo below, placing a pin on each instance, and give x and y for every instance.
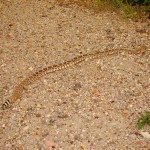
(16, 94)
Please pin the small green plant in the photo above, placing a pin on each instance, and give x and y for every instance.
(138, 1)
(144, 119)
(128, 8)
(124, 6)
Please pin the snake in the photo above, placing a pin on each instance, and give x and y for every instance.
(17, 92)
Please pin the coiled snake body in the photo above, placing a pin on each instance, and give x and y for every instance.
(50, 69)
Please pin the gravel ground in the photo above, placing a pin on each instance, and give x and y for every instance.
(91, 106)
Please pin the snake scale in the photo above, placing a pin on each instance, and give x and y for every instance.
(16, 94)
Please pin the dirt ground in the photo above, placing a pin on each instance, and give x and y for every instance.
(91, 106)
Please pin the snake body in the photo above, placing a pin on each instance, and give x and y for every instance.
(16, 94)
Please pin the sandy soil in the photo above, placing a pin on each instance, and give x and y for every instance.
(91, 106)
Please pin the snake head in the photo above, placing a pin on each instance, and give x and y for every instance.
(141, 50)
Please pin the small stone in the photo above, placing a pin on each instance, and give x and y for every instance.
(94, 91)
(139, 142)
(106, 113)
(141, 30)
(10, 35)
(38, 105)
(26, 128)
(30, 68)
(77, 86)
(3, 125)
(38, 115)
(50, 144)
(125, 112)
(1, 131)
(83, 146)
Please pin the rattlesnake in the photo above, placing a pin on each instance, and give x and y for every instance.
(50, 69)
